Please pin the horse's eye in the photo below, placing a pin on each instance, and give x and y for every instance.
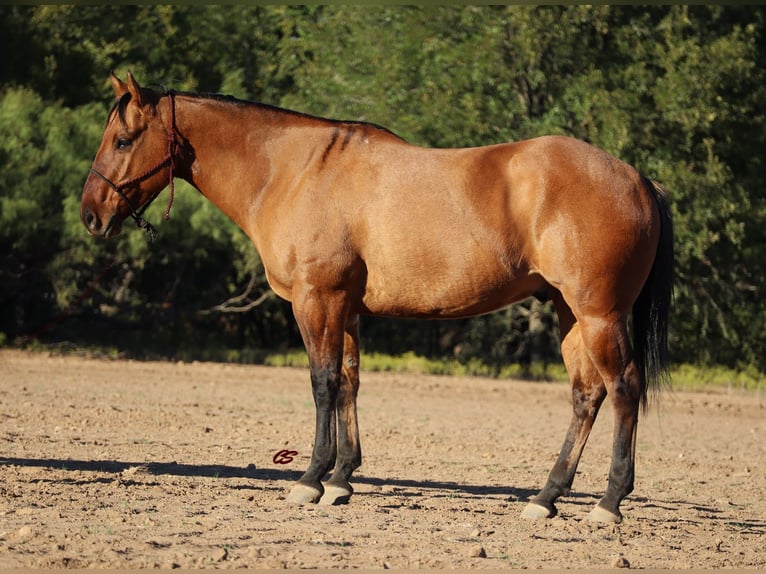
(123, 143)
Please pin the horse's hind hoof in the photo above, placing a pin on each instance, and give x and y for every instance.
(533, 511)
(334, 495)
(304, 494)
(600, 514)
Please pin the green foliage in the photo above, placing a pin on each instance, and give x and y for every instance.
(678, 91)
(693, 377)
(38, 151)
(412, 363)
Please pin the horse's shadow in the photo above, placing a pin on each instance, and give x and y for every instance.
(256, 474)
(140, 473)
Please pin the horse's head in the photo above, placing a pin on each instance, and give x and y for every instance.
(134, 162)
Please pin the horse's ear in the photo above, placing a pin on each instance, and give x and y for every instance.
(120, 87)
(135, 90)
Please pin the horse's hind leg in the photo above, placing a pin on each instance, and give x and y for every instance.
(588, 393)
(337, 490)
(609, 348)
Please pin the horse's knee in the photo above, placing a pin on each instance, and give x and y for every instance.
(325, 384)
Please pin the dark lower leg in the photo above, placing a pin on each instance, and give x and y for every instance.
(585, 406)
(325, 390)
(622, 470)
(349, 451)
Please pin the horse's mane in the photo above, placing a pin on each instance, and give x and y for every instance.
(121, 104)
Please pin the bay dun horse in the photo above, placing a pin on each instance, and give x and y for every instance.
(351, 220)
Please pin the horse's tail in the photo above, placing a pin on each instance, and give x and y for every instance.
(652, 308)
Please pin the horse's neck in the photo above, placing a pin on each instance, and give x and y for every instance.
(235, 149)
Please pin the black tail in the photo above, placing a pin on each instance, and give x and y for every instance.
(652, 308)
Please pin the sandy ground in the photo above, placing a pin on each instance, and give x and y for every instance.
(131, 464)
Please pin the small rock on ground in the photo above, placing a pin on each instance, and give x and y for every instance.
(620, 562)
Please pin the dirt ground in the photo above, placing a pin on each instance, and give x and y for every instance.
(131, 464)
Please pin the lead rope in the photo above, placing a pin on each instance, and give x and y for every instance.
(172, 144)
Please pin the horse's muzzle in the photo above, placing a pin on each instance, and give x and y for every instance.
(96, 226)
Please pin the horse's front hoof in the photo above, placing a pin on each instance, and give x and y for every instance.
(335, 494)
(534, 511)
(600, 514)
(304, 494)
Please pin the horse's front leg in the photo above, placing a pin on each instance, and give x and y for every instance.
(321, 318)
(338, 490)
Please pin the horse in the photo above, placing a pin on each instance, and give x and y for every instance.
(351, 220)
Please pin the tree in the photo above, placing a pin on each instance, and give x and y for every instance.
(677, 91)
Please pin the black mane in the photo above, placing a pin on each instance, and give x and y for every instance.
(122, 102)
(227, 99)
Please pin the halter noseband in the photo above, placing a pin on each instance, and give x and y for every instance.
(168, 160)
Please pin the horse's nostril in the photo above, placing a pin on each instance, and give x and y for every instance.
(90, 220)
